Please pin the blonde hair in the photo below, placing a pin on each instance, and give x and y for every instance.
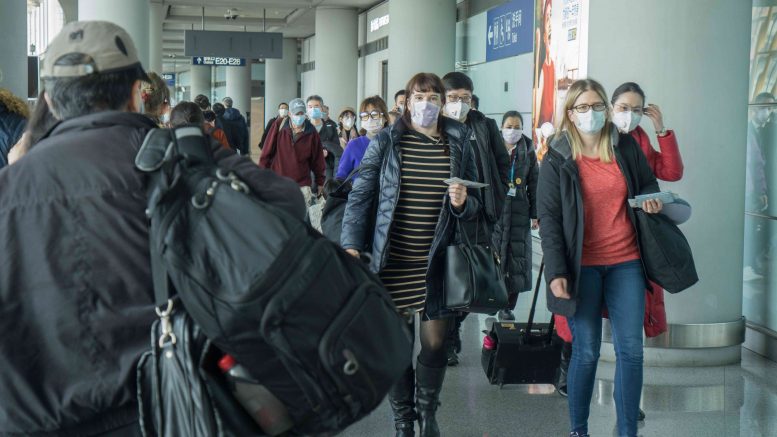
(575, 141)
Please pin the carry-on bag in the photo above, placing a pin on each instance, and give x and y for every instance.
(522, 353)
(285, 303)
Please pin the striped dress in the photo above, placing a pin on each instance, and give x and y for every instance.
(425, 165)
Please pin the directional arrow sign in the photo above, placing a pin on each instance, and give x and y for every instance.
(510, 29)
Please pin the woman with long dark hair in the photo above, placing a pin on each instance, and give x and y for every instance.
(403, 174)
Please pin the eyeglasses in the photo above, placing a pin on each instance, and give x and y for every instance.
(455, 99)
(598, 107)
(621, 107)
(373, 115)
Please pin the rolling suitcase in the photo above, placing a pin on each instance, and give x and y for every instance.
(522, 353)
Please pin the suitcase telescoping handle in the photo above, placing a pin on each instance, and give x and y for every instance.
(534, 306)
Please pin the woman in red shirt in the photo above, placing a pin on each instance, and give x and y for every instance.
(592, 254)
(628, 102)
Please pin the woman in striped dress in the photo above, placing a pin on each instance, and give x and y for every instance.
(401, 190)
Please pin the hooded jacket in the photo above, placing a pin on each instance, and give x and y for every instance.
(560, 209)
(13, 120)
(234, 125)
(76, 295)
(375, 195)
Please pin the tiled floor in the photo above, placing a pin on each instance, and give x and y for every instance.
(738, 400)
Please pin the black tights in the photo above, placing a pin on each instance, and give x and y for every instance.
(434, 336)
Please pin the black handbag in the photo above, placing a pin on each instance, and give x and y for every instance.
(522, 353)
(181, 391)
(665, 251)
(474, 282)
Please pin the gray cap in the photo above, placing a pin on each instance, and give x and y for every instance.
(108, 45)
(296, 106)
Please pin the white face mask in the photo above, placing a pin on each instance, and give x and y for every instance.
(457, 111)
(512, 136)
(166, 118)
(298, 120)
(347, 123)
(373, 126)
(547, 130)
(425, 113)
(626, 121)
(590, 122)
(283, 112)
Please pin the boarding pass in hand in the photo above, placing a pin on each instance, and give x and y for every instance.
(665, 197)
(466, 183)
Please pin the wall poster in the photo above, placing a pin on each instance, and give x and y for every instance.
(560, 58)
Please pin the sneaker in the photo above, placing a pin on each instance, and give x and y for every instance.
(506, 315)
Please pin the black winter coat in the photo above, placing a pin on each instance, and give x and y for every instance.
(560, 209)
(493, 164)
(380, 177)
(330, 139)
(512, 233)
(76, 296)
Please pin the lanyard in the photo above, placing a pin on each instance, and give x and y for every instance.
(512, 168)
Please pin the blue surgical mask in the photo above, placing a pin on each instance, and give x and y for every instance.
(298, 120)
(590, 122)
(315, 113)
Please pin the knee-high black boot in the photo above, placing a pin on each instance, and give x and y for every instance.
(402, 400)
(429, 385)
(563, 369)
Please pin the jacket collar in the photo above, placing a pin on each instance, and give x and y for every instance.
(561, 143)
(101, 120)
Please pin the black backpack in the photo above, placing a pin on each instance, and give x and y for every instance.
(307, 320)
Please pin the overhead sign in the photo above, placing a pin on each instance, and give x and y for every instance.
(251, 45)
(169, 78)
(509, 30)
(377, 23)
(215, 60)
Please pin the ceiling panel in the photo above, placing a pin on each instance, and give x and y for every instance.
(293, 18)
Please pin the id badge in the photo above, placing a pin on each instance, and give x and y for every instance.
(512, 191)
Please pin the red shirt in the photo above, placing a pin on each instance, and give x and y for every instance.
(667, 164)
(608, 234)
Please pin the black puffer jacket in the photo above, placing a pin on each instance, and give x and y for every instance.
(380, 177)
(560, 209)
(76, 300)
(512, 233)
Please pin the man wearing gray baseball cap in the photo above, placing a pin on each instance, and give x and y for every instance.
(76, 296)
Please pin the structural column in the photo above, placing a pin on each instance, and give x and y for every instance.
(13, 46)
(132, 15)
(280, 79)
(201, 81)
(155, 18)
(672, 63)
(336, 55)
(239, 87)
(422, 38)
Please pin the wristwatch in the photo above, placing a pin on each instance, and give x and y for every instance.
(662, 132)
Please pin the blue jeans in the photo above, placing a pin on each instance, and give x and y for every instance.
(622, 288)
